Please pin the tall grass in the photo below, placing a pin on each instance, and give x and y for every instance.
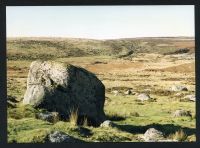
(73, 117)
(180, 135)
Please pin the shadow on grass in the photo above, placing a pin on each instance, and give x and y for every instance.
(115, 117)
(167, 129)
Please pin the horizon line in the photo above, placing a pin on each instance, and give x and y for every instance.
(99, 39)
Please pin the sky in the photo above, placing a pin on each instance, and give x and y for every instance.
(100, 22)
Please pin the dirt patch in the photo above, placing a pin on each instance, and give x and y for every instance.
(183, 68)
(114, 66)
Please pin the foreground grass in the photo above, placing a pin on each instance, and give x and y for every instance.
(131, 120)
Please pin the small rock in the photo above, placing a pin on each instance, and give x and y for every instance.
(12, 99)
(178, 88)
(128, 92)
(147, 90)
(11, 104)
(179, 94)
(115, 92)
(107, 123)
(49, 116)
(58, 137)
(180, 112)
(143, 97)
(190, 98)
(152, 135)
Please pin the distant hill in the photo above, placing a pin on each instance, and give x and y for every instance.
(48, 48)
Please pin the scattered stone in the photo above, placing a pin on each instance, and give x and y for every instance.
(60, 137)
(62, 87)
(11, 104)
(12, 99)
(115, 92)
(147, 90)
(153, 135)
(107, 123)
(179, 94)
(180, 112)
(143, 97)
(52, 117)
(190, 98)
(179, 88)
(128, 92)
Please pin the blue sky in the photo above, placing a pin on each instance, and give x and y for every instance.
(100, 22)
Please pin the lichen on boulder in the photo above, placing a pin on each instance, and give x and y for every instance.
(62, 87)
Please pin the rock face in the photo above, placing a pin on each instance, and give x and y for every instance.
(153, 135)
(60, 137)
(178, 88)
(143, 97)
(179, 113)
(63, 87)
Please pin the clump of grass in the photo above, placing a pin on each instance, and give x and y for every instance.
(179, 135)
(135, 114)
(85, 122)
(73, 117)
(22, 112)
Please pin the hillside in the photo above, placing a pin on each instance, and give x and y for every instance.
(48, 48)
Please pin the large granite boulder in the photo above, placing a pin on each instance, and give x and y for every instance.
(63, 87)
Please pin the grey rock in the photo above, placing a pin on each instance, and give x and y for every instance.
(178, 88)
(60, 137)
(128, 92)
(180, 112)
(190, 98)
(143, 97)
(115, 92)
(153, 135)
(11, 101)
(107, 123)
(52, 117)
(63, 87)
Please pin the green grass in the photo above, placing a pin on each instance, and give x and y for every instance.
(131, 117)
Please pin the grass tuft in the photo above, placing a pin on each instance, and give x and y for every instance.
(73, 117)
(180, 135)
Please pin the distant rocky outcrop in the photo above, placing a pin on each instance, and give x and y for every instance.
(63, 87)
